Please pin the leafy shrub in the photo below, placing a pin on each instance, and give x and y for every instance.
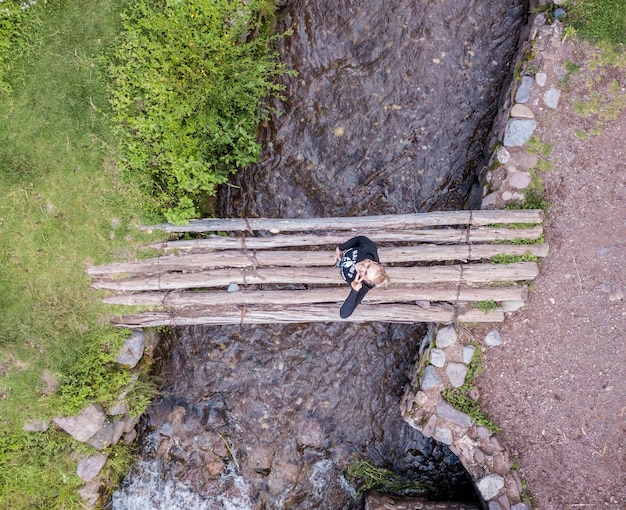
(95, 376)
(189, 78)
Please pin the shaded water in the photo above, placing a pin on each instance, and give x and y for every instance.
(389, 114)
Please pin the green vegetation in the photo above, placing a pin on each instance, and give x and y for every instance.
(369, 477)
(600, 21)
(486, 306)
(65, 204)
(503, 258)
(188, 82)
(460, 397)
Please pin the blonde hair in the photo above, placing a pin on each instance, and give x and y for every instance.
(383, 278)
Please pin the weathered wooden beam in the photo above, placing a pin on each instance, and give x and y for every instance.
(433, 235)
(472, 273)
(189, 299)
(358, 223)
(237, 259)
(440, 313)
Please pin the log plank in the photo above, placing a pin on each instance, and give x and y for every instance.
(472, 273)
(386, 221)
(235, 259)
(433, 235)
(314, 313)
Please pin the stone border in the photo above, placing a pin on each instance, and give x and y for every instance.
(445, 360)
(444, 363)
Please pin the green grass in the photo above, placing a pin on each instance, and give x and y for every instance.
(62, 205)
(600, 21)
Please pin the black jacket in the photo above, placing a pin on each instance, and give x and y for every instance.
(355, 250)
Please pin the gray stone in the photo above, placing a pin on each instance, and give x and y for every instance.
(520, 506)
(518, 132)
(524, 90)
(541, 78)
(512, 306)
(493, 338)
(89, 467)
(443, 435)
(233, 287)
(520, 180)
(90, 494)
(526, 159)
(36, 426)
(446, 337)
(494, 505)
(519, 111)
(456, 373)
(489, 486)
(468, 354)
(430, 379)
(447, 412)
(103, 437)
(429, 429)
(509, 196)
(437, 357)
(551, 97)
(118, 409)
(84, 425)
(132, 351)
(490, 200)
(503, 155)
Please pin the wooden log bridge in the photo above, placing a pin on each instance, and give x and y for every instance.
(441, 266)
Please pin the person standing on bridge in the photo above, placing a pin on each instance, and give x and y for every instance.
(358, 262)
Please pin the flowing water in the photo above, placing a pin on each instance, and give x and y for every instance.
(389, 113)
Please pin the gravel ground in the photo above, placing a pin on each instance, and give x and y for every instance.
(557, 385)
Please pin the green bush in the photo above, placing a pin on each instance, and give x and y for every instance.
(189, 78)
(599, 20)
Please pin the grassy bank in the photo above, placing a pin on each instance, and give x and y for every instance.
(69, 197)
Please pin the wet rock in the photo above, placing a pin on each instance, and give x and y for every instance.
(456, 373)
(446, 337)
(84, 425)
(132, 351)
(36, 426)
(551, 97)
(89, 467)
(524, 90)
(518, 132)
(493, 338)
(489, 486)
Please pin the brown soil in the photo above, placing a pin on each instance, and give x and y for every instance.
(557, 385)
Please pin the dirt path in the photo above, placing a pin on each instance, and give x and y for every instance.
(557, 386)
